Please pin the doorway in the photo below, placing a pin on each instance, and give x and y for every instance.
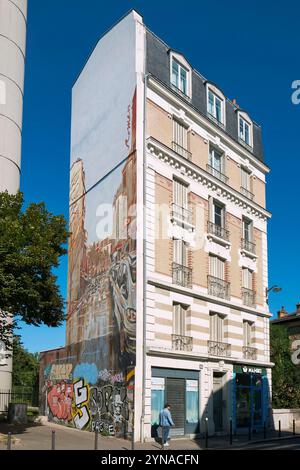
(218, 401)
(176, 398)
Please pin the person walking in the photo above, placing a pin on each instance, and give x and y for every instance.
(165, 421)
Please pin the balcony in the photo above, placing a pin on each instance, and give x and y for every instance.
(249, 353)
(218, 287)
(248, 246)
(215, 120)
(247, 193)
(218, 231)
(182, 343)
(181, 214)
(181, 151)
(182, 275)
(217, 174)
(215, 348)
(249, 297)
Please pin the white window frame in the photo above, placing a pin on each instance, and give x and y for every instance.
(250, 222)
(179, 319)
(211, 156)
(219, 95)
(248, 336)
(242, 116)
(182, 63)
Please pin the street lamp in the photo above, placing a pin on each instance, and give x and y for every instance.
(272, 289)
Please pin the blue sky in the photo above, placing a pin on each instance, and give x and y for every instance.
(250, 50)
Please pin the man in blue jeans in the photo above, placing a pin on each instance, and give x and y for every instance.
(165, 421)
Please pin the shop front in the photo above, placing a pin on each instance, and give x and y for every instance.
(250, 397)
(180, 388)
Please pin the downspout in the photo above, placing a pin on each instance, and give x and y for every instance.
(146, 75)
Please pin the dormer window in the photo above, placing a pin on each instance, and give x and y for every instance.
(245, 129)
(215, 105)
(180, 75)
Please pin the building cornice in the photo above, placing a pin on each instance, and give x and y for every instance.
(171, 353)
(206, 297)
(189, 169)
(173, 97)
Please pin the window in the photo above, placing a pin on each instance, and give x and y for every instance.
(245, 131)
(216, 160)
(246, 183)
(180, 139)
(180, 193)
(179, 319)
(217, 213)
(179, 77)
(180, 252)
(247, 331)
(216, 327)
(216, 267)
(247, 279)
(215, 106)
(247, 230)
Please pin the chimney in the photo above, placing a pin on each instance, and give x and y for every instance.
(235, 103)
(283, 313)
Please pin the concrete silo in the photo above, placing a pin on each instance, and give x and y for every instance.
(13, 14)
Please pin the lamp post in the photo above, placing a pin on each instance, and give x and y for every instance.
(274, 288)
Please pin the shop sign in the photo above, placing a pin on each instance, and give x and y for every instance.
(250, 370)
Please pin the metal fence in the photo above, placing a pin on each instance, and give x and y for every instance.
(28, 396)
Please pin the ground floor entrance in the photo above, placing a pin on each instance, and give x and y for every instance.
(250, 397)
(180, 388)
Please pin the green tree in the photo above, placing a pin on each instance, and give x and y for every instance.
(31, 242)
(285, 374)
(25, 372)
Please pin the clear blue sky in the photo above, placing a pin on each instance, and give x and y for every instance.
(251, 50)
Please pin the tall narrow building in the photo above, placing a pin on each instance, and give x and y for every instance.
(13, 14)
(166, 303)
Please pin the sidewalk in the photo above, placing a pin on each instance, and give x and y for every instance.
(39, 437)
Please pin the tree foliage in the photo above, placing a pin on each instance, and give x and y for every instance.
(25, 372)
(31, 243)
(285, 374)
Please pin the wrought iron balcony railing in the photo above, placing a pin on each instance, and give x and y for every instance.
(218, 231)
(218, 287)
(249, 297)
(182, 275)
(216, 173)
(249, 353)
(181, 151)
(247, 193)
(248, 246)
(215, 120)
(216, 348)
(183, 214)
(182, 343)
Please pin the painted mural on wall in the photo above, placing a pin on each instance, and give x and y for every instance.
(89, 384)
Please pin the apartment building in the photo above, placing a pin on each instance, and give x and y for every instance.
(166, 303)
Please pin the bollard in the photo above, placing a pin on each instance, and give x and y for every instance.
(163, 437)
(230, 431)
(250, 432)
(265, 430)
(53, 440)
(206, 433)
(9, 441)
(279, 428)
(96, 439)
(294, 427)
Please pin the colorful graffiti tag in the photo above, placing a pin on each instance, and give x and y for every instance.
(60, 398)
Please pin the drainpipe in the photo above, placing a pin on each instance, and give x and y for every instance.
(144, 253)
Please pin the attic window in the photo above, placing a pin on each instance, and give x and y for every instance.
(180, 75)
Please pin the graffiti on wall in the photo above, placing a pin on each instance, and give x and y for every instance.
(60, 398)
(80, 409)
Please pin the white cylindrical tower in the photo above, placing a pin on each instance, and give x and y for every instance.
(13, 15)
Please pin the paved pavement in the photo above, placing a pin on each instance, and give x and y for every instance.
(39, 437)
